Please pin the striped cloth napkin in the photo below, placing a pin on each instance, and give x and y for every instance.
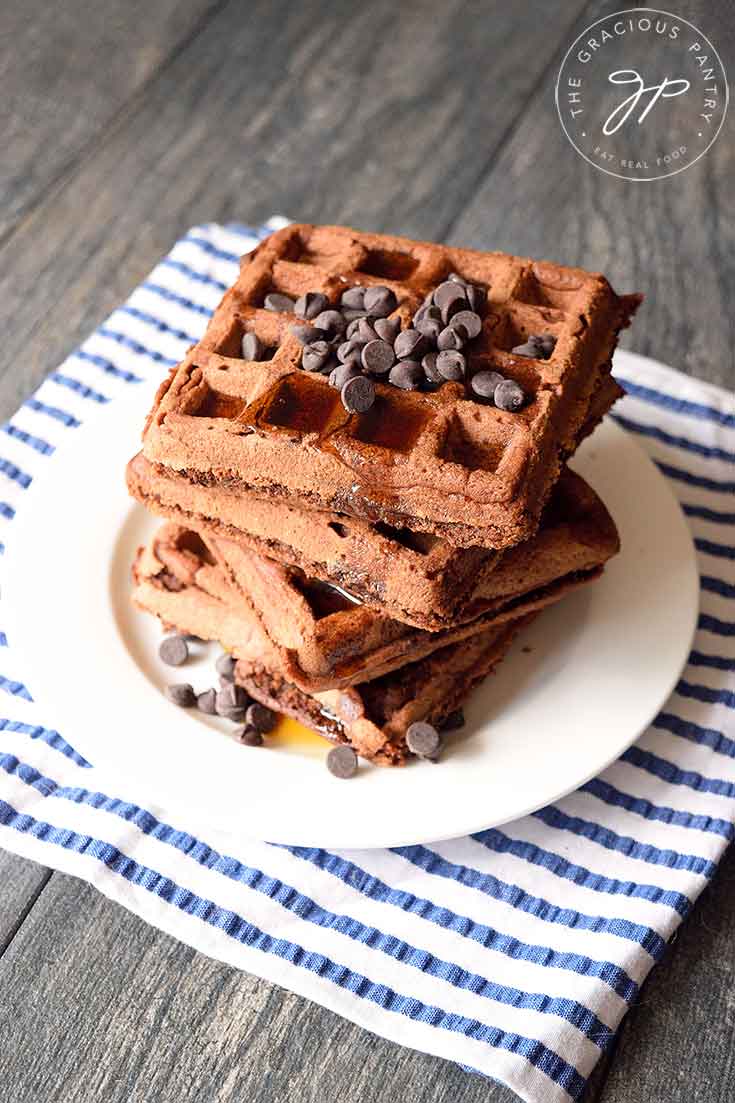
(515, 951)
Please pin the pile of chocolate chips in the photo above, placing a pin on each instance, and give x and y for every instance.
(358, 342)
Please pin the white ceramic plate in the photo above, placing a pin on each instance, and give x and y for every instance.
(576, 690)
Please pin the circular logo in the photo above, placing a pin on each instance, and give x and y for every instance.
(642, 94)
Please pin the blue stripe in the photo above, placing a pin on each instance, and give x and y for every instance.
(603, 791)
(7, 511)
(695, 733)
(624, 844)
(79, 388)
(158, 323)
(135, 346)
(12, 471)
(708, 623)
(192, 274)
(180, 300)
(212, 250)
(240, 930)
(673, 441)
(500, 843)
(670, 772)
(17, 689)
(717, 586)
(677, 405)
(53, 411)
(3, 640)
(431, 862)
(714, 662)
(489, 937)
(706, 694)
(703, 513)
(722, 551)
(107, 366)
(36, 443)
(720, 486)
(45, 735)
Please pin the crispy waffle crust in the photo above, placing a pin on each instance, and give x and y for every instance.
(412, 577)
(324, 640)
(433, 462)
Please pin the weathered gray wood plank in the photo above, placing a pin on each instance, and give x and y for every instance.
(21, 883)
(383, 121)
(65, 71)
(94, 1004)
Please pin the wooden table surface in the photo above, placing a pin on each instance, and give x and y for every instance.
(127, 121)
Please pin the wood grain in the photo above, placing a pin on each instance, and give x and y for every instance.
(21, 883)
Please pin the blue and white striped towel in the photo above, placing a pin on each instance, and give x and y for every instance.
(515, 951)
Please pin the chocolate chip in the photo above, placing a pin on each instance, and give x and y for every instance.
(181, 695)
(224, 682)
(529, 349)
(367, 331)
(281, 304)
(380, 301)
(453, 722)
(483, 383)
(340, 375)
(450, 297)
(252, 347)
(451, 364)
(423, 740)
(430, 329)
(249, 737)
(351, 315)
(456, 278)
(358, 394)
(311, 304)
(469, 321)
(387, 328)
(377, 357)
(225, 667)
(431, 371)
(547, 343)
(410, 345)
(331, 321)
(449, 339)
(406, 374)
(342, 762)
(538, 346)
(231, 702)
(173, 650)
(206, 701)
(354, 298)
(261, 718)
(315, 356)
(306, 334)
(347, 348)
(476, 297)
(509, 396)
(353, 326)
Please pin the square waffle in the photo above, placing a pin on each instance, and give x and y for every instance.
(373, 717)
(325, 639)
(435, 461)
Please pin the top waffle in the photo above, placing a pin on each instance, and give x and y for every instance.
(436, 461)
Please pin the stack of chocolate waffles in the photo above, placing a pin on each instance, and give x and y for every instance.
(361, 470)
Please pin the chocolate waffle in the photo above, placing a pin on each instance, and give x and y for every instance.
(325, 639)
(434, 461)
(185, 591)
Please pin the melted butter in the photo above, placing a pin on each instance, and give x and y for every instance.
(292, 736)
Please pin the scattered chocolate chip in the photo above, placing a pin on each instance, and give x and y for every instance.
(380, 301)
(306, 334)
(331, 321)
(181, 695)
(342, 762)
(423, 740)
(449, 339)
(483, 383)
(454, 721)
(509, 396)
(281, 304)
(406, 374)
(252, 347)
(225, 667)
(377, 357)
(311, 304)
(358, 394)
(410, 345)
(387, 328)
(231, 702)
(431, 371)
(315, 356)
(250, 737)
(451, 364)
(340, 375)
(354, 298)
(470, 323)
(261, 718)
(206, 701)
(173, 650)
(366, 331)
